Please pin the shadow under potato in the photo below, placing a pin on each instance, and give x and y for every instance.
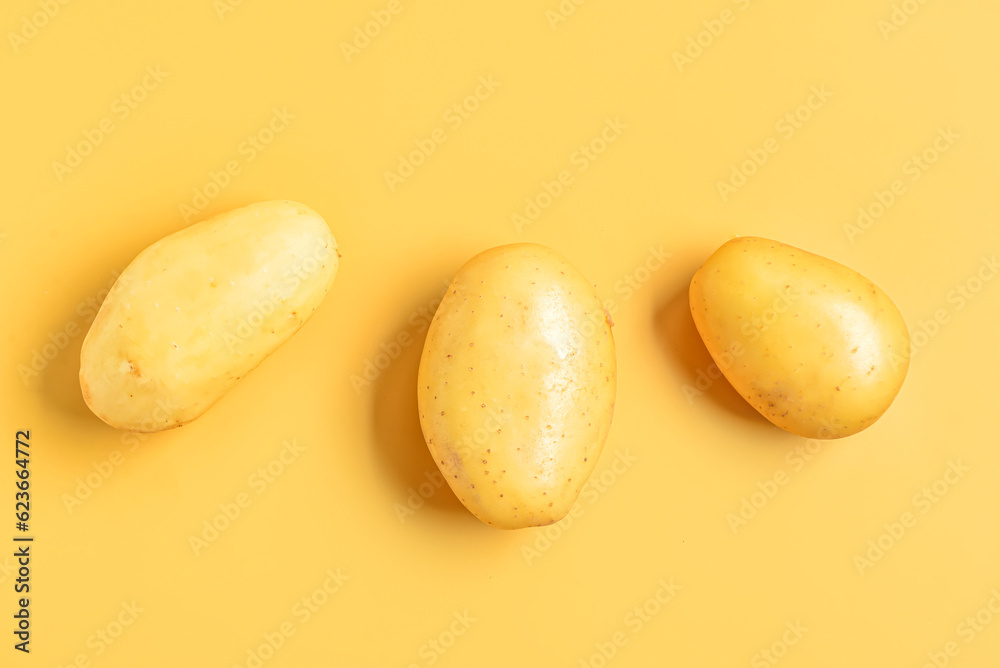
(59, 379)
(680, 340)
(398, 438)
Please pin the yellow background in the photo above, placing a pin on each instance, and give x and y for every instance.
(696, 457)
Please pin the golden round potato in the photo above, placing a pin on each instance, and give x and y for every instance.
(199, 309)
(815, 347)
(516, 385)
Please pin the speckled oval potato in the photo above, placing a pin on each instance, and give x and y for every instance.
(815, 347)
(516, 385)
(199, 309)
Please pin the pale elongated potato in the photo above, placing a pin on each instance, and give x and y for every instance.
(199, 309)
(516, 385)
(814, 346)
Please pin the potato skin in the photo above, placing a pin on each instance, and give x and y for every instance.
(815, 347)
(516, 386)
(199, 309)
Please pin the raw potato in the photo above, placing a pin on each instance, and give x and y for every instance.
(815, 347)
(517, 385)
(199, 309)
